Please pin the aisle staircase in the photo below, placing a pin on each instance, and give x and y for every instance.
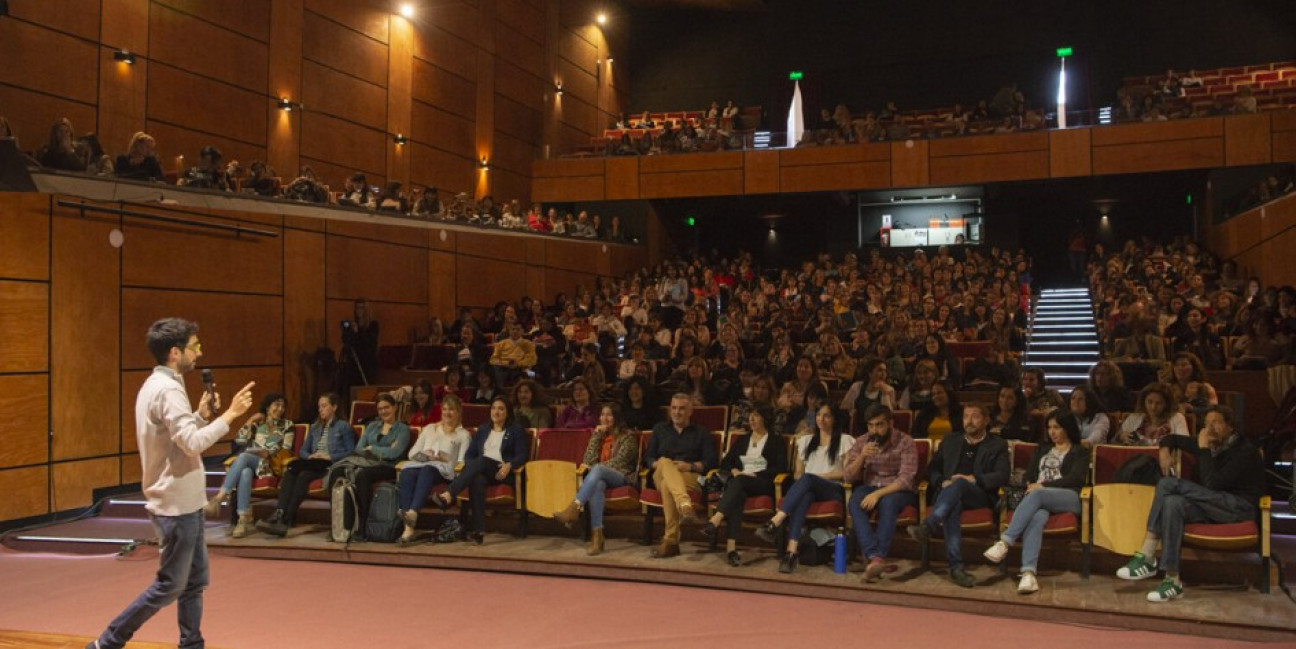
(1062, 338)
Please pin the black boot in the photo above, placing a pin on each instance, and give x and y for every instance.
(276, 525)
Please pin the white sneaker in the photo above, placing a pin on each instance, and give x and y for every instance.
(1027, 585)
(997, 552)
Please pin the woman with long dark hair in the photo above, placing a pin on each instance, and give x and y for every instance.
(749, 468)
(612, 457)
(1054, 477)
(263, 436)
(498, 449)
(1008, 417)
(818, 474)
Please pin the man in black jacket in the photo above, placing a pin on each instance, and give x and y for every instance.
(1228, 486)
(967, 472)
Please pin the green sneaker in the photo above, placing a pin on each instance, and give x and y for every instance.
(1168, 590)
(1138, 568)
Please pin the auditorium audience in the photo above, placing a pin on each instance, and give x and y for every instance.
(63, 151)
(748, 468)
(1156, 415)
(209, 174)
(679, 452)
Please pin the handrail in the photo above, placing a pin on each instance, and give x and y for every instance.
(236, 229)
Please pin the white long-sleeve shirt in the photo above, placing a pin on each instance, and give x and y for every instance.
(435, 439)
(172, 438)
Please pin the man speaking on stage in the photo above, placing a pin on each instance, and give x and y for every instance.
(172, 438)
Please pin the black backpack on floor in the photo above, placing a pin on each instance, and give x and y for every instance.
(384, 524)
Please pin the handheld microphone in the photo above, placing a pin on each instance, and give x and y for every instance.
(209, 384)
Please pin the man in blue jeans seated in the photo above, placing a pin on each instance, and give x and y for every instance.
(884, 463)
(967, 471)
(1229, 483)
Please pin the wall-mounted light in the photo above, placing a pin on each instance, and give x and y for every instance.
(407, 9)
(610, 59)
(124, 56)
(601, 18)
(558, 88)
(285, 104)
(401, 140)
(484, 164)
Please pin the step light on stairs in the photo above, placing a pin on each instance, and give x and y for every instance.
(1063, 339)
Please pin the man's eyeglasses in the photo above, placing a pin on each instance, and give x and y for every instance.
(195, 346)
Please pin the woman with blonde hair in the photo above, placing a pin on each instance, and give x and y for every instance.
(140, 161)
(433, 457)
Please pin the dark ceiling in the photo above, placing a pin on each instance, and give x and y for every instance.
(707, 5)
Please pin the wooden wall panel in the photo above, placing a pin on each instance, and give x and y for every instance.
(344, 144)
(572, 255)
(369, 17)
(446, 51)
(285, 80)
(62, 76)
(525, 19)
(24, 229)
(623, 178)
(508, 185)
(535, 285)
(582, 116)
(582, 188)
(248, 17)
(385, 272)
(198, 46)
(984, 144)
(304, 315)
(85, 288)
(26, 492)
(566, 281)
(492, 246)
(433, 167)
(858, 175)
(444, 90)
(200, 259)
(24, 431)
(461, 19)
(235, 330)
(442, 287)
(75, 482)
(190, 101)
(24, 326)
(124, 25)
(342, 49)
(1205, 127)
(520, 85)
(910, 164)
(577, 80)
(518, 119)
(75, 16)
(511, 154)
(123, 100)
(1284, 146)
(571, 167)
(519, 50)
(1070, 153)
(483, 282)
(1158, 156)
(994, 167)
(834, 154)
(580, 52)
(443, 130)
(1246, 139)
(697, 183)
(694, 162)
(131, 469)
(328, 91)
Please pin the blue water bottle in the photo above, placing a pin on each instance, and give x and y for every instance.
(839, 552)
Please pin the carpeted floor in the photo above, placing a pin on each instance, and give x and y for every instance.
(293, 604)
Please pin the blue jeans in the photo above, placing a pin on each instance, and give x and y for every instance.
(182, 574)
(592, 489)
(947, 512)
(807, 490)
(1032, 515)
(1179, 502)
(415, 485)
(888, 508)
(242, 472)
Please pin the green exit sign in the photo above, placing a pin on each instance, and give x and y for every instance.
(795, 75)
(1063, 52)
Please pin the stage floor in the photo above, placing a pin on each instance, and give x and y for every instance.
(1103, 600)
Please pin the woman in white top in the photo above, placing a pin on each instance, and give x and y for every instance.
(433, 457)
(818, 476)
(1156, 415)
(749, 468)
(1094, 425)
